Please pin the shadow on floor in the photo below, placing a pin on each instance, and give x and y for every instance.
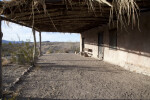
(26, 98)
(102, 68)
(78, 60)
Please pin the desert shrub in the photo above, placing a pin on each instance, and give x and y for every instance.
(75, 49)
(25, 53)
(19, 51)
(5, 61)
(57, 51)
(13, 58)
(7, 49)
(66, 51)
(11, 98)
(50, 51)
(78, 49)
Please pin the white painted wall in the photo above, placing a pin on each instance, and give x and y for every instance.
(94, 48)
(80, 42)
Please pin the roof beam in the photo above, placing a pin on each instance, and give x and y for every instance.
(22, 24)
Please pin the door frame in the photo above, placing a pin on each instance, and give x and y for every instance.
(101, 56)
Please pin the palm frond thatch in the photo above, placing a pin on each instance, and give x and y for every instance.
(126, 11)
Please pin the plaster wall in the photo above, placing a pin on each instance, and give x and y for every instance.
(133, 45)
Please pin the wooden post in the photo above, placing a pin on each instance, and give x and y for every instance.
(40, 53)
(1, 35)
(34, 50)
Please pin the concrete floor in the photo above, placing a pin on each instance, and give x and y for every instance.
(70, 76)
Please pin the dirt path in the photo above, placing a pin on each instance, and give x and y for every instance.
(69, 76)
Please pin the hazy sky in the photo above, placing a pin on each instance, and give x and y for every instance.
(13, 32)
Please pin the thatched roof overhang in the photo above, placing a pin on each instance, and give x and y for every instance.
(61, 16)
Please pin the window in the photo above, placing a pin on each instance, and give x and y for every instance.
(113, 39)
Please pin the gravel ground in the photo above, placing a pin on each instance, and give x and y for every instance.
(10, 73)
(70, 76)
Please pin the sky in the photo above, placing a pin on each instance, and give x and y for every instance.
(14, 32)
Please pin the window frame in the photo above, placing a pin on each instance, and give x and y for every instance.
(113, 39)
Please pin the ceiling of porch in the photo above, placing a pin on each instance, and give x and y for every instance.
(60, 16)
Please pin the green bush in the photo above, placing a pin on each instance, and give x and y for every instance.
(25, 53)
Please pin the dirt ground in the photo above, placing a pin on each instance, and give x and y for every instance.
(10, 73)
(70, 76)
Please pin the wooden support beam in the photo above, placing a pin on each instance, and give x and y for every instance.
(40, 38)
(13, 21)
(1, 35)
(34, 49)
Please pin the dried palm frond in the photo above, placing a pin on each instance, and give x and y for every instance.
(36, 3)
(104, 2)
(126, 11)
(9, 3)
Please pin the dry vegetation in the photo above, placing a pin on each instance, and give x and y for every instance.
(20, 53)
(5, 61)
(10, 51)
(60, 47)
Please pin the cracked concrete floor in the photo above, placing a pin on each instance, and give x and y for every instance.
(70, 76)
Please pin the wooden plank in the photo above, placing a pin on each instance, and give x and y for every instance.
(87, 19)
(13, 21)
(61, 10)
(68, 14)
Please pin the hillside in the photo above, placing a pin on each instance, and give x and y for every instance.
(47, 47)
(60, 47)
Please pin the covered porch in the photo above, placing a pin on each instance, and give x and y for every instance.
(71, 76)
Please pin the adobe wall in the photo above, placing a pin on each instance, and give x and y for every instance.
(91, 40)
(133, 46)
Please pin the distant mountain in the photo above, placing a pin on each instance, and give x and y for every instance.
(46, 41)
(6, 41)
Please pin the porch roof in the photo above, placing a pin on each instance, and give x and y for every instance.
(61, 16)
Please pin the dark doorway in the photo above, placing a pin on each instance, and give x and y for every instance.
(82, 44)
(100, 46)
(113, 39)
